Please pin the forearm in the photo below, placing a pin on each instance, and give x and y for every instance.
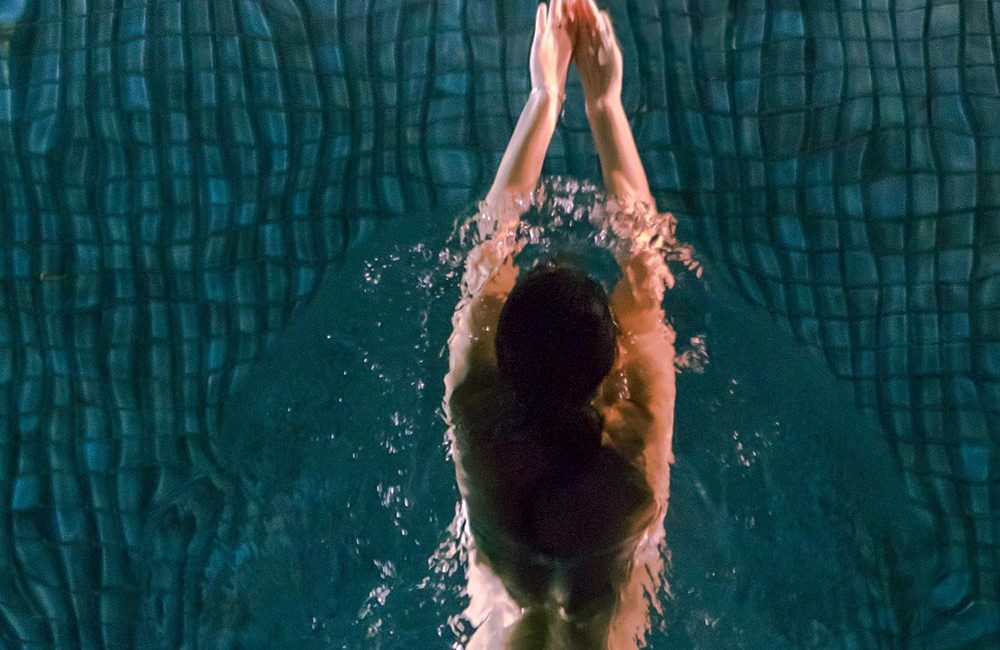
(624, 174)
(521, 165)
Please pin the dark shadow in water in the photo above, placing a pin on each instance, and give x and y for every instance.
(789, 522)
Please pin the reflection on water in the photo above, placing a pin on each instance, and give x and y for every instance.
(355, 541)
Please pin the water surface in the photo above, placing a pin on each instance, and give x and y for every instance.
(781, 500)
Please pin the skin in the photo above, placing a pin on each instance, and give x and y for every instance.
(630, 484)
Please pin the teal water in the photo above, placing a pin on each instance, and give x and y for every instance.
(784, 501)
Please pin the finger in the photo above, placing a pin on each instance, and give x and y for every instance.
(540, 19)
(612, 35)
(571, 11)
(554, 7)
(606, 29)
(593, 17)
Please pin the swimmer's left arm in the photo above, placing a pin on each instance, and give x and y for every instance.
(490, 270)
(490, 274)
(551, 50)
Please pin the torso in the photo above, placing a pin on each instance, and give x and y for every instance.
(510, 480)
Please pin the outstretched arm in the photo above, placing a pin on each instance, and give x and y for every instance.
(490, 270)
(598, 59)
(646, 363)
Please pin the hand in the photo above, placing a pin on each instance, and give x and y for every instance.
(551, 48)
(597, 55)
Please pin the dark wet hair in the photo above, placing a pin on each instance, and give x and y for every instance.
(556, 339)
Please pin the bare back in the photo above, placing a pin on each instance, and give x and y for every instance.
(524, 500)
(563, 530)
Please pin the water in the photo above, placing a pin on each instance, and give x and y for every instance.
(783, 499)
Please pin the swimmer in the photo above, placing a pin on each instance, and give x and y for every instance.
(560, 400)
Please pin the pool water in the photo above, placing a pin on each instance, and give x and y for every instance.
(784, 499)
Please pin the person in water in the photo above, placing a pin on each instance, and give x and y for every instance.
(560, 400)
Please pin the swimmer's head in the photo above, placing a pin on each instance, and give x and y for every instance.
(556, 339)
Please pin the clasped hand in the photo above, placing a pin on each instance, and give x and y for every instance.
(576, 30)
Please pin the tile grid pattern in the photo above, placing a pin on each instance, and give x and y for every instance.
(176, 175)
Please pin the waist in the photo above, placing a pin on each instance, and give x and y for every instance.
(492, 540)
(580, 586)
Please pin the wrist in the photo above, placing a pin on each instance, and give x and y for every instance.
(550, 92)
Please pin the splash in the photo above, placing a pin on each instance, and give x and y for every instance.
(573, 222)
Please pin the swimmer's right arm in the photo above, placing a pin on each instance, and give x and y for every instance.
(644, 411)
(598, 59)
(646, 341)
(636, 300)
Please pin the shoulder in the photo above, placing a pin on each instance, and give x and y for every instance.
(626, 424)
(476, 396)
(637, 398)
